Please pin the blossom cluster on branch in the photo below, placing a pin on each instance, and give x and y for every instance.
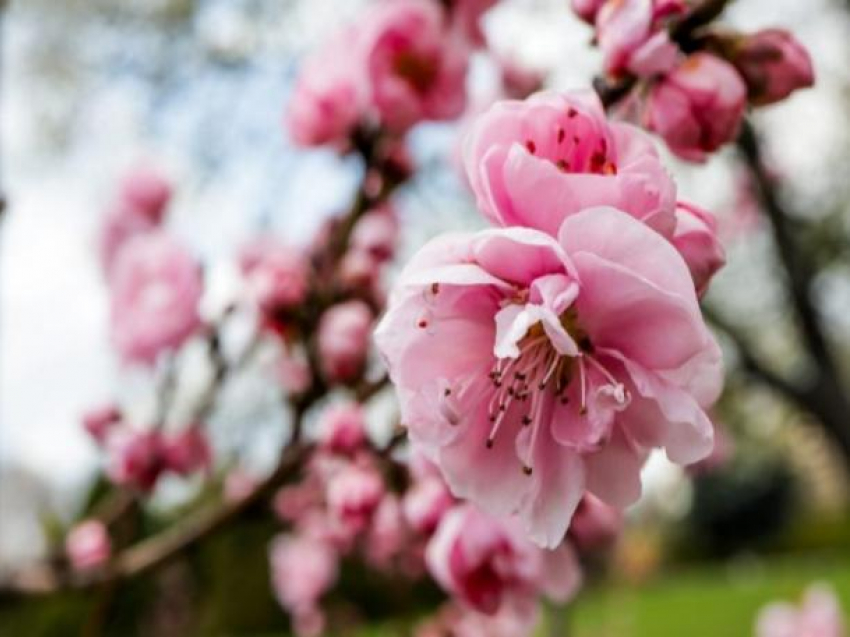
(537, 362)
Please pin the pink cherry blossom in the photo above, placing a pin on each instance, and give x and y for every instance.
(277, 277)
(696, 240)
(536, 162)
(587, 9)
(484, 562)
(239, 484)
(519, 81)
(344, 332)
(632, 35)
(146, 192)
(329, 99)
(595, 525)
(156, 286)
(466, 15)
(342, 428)
(774, 65)
(354, 494)
(188, 451)
(303, 570)
(698, 107)
(136, 458)
(425, 503)
(416, 68)
(387, 534)
(531, 369)
(87, 545)
(100, 422)
(818, 616)
(138, 209)
(376, 234)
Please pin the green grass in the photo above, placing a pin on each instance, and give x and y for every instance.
(717, 602)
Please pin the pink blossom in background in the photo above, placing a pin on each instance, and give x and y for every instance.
(819, 615)
(135, 458)
(277, 277)
(354, 494)
(530, 370)
(535, 163)
(156, 287)
(595, 524)
(696, 240)
(239, 484)
(293, 373)
(138, 209)
(416, 68)
(87, 545)
(344, 336)
(425, 503)
(518, 81)
(187, 451)
(587, 9)
(774, 65)
(465, 16)
(698, 107)
(100, 422)
(517, 618)
(387, 534)
(146, 192)
(303, 570)
(329, 99)
(483, 562)
(633, 37)
(376, 234)
(342, 428)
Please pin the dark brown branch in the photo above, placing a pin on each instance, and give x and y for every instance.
(159, 549)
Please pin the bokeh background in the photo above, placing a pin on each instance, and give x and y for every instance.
(197, 88)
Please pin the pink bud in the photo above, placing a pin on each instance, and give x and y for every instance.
(587, 9)
(101, 421)
(344, 332)
(353, 495)
(376, 234)
(425, 503)
(698, 107)
(278, 279)
(342, 428)
(595, 524)
(239, 484)
(387, 533)
(188, 451)
(518, 82)
(87, 545)
(136, 458)
(147, 193)
(774, 65)
(696, 240)
(294, 374)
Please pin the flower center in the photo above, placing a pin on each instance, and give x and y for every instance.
(571, 149)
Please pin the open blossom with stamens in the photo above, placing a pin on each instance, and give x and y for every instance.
(416, 68)
(531, 369)
(533, 163)
(485, 562)
(818, 616)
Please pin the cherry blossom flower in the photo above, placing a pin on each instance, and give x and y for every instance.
(277, 278)
(303, 570)
(87, 545)
(342, 428)
(353, 496)
(483, 562)
(531, 369)
(595, 525)
(534, 163)
(100, 422)
(698, 107)
(466, 15)
(344, 332)
(696, 240)
(188, 451)
(819, 615)
(416, 68)
(156, 286)
(136, 458)
(774, 65)
(329, 98)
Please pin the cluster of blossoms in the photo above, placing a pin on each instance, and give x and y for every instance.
(693, 93)
(537, 363)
